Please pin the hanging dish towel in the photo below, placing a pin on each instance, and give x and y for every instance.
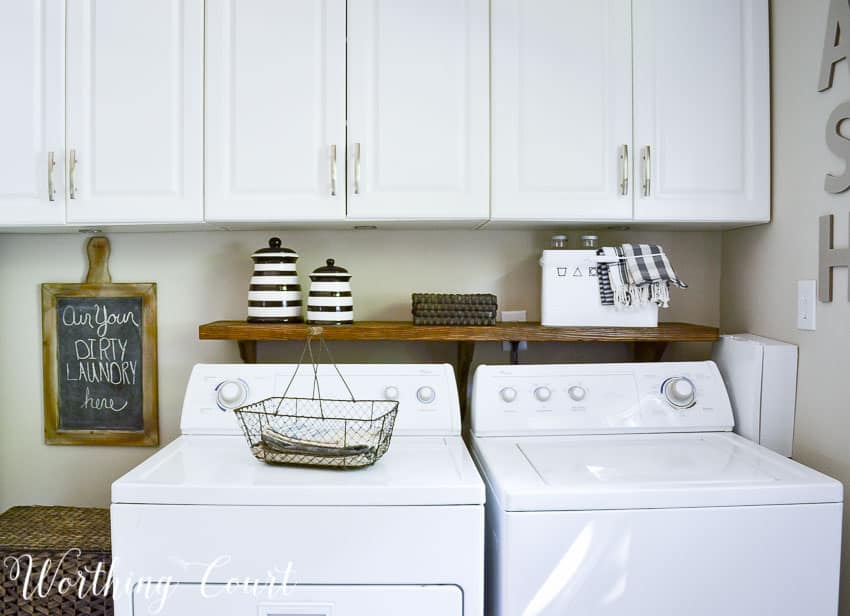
(635, 275)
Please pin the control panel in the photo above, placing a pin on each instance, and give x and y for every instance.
(426, 393)
(600, 399)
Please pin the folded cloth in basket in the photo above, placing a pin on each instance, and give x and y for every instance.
(286, 444)
(635, 275)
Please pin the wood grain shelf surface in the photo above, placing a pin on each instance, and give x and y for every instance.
(402, 330)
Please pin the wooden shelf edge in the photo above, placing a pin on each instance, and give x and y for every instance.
(406, 331)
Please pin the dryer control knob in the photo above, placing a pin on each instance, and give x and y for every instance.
(426, 394)
(508, 394)
(577, 393)
(543, 393)
(680, 392)
(231, 394)
(391, 392)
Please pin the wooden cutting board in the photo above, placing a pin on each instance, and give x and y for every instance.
(100, 359)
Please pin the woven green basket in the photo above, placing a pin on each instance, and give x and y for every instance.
(46, 534)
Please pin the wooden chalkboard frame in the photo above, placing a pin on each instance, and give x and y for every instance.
(50, 294)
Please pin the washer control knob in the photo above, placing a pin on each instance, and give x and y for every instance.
(391, 392)
(577, 393)
(231, 394)
(680, 392)
(426, 394)
(508, 394)
(543, 393)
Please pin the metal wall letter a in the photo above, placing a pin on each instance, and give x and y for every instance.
(836, 44)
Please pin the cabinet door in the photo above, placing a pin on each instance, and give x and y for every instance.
(562, 110)
(135, 111)
(275, 110)
(418, 135)
(702, 109)
(32, 122)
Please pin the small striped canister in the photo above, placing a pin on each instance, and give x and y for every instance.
(330, 301)
(275, 294)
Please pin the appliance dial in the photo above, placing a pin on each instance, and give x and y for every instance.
(679, 392)
(231, 394)
(543, 393)
(426, 394)
(391, 392)
(577, 393)
(508, 394)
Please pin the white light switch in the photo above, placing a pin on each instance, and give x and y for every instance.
(806, 303)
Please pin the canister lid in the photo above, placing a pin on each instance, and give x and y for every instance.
(330, 272)
(330, 268)
(274, 249)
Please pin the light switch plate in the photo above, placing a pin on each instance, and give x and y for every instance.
(807, 293)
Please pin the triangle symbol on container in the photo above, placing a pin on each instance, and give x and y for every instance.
(577, 273)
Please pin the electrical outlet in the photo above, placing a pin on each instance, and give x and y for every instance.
(807, 293)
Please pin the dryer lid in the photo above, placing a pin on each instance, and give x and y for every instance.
(220, 470)
(645, 471)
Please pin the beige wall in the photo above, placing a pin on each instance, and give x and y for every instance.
(761, 265)
(203, 276)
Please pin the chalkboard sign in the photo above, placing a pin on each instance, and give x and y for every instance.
(100, 359)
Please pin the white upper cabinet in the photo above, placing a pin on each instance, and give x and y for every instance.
(702, 125)
(562, 110)
(32, 122)
(418, 130)
(135, 111)
(275, 110)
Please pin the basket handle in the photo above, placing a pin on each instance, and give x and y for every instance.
(316, 332)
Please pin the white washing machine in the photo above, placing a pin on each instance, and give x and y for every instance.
(618, 489)
(223, 534)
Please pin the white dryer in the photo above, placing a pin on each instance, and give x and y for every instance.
(618, 489)
(223, 534)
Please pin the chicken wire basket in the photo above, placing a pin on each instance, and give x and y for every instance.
(317, 431)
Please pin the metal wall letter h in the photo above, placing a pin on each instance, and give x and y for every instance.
(830, 258)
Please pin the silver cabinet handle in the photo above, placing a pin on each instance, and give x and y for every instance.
(51, 165)
(356, 168)
(72, 172)
(646, 157)
(333, 170)
(624, 169)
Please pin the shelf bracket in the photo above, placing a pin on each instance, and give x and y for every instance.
(248, 351)
(649, 351)
(514, 346)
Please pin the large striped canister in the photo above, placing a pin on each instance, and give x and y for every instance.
(330, 300)
(274, 295)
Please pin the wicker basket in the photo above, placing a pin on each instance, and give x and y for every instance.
(318, 431)
(343, 434)
(47, 534)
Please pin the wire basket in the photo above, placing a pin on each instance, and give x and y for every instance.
(316, 431)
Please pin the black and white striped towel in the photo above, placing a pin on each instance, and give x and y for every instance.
(634, 275)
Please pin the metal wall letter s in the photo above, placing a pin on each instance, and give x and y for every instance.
(840, 146)
(836, 46)
(829, 258)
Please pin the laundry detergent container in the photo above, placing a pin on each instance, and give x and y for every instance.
(570, 294)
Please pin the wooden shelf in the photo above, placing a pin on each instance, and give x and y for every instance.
(401, 330)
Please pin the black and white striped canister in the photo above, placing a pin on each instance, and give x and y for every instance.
(275, 294)
(330, 301)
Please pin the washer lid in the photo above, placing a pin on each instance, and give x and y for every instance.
(220, 470)
(646, 471)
